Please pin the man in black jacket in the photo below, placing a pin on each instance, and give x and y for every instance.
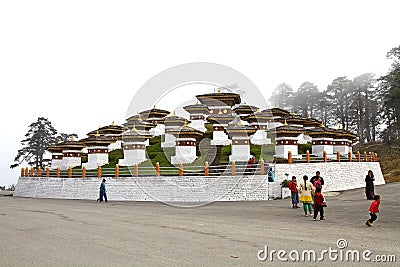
(317, 174)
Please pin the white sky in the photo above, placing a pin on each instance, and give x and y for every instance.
(79, 63)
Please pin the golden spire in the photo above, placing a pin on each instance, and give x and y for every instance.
(134, 128)
(285, 124)
(339, 126)
(309, 115)
(322, 125)
(97, 133)
(185, 123)
(154, 107)
(174, 113)
(219, 90)
(275, 106)
(113, 123)
(293, 113)
(73, 138)
(245, 103)
(220, 111)
(240, 123)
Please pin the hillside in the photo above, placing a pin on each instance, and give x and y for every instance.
(389, 158)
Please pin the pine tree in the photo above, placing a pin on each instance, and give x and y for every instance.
(40, 136)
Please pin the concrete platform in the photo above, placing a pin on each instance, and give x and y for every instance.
(48, 232)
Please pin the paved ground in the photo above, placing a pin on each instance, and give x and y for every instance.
(45, 232)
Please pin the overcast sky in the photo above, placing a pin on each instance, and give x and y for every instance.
(79, 63)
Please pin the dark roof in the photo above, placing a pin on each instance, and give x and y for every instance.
(220, 118)
(276, 112)
(245, 109)
(154, 113)
(288, 129)
(96, 140)
(186, 131)
(242, 130)
(175, 120)
(196, 108)
(110, 129)
(216, 99)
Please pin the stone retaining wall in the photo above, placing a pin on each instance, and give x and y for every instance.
(165, 189)
(338, 176)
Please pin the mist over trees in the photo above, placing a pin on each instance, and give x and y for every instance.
(366, 105)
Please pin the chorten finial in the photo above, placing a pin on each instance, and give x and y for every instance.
(285, 124)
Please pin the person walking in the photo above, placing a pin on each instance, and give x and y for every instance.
(103, 191)
(319, 204)
(369, 185)
(293, 192)
(373, 210)
(305, 190)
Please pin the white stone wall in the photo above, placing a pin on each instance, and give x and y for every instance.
(95, 160)
(169, 140)
(220, 138)
(319, 149)
(70, 162)
(166, 189)
(133, 156)
(114, 146)
(158, 130)
(260, 138)
(198, 125)
(55, 163)
(343, 148)
(338, 176)
(240, 153)
(184, 154)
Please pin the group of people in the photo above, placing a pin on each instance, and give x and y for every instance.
(310, 191)
(310, 194)
(312, 198)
